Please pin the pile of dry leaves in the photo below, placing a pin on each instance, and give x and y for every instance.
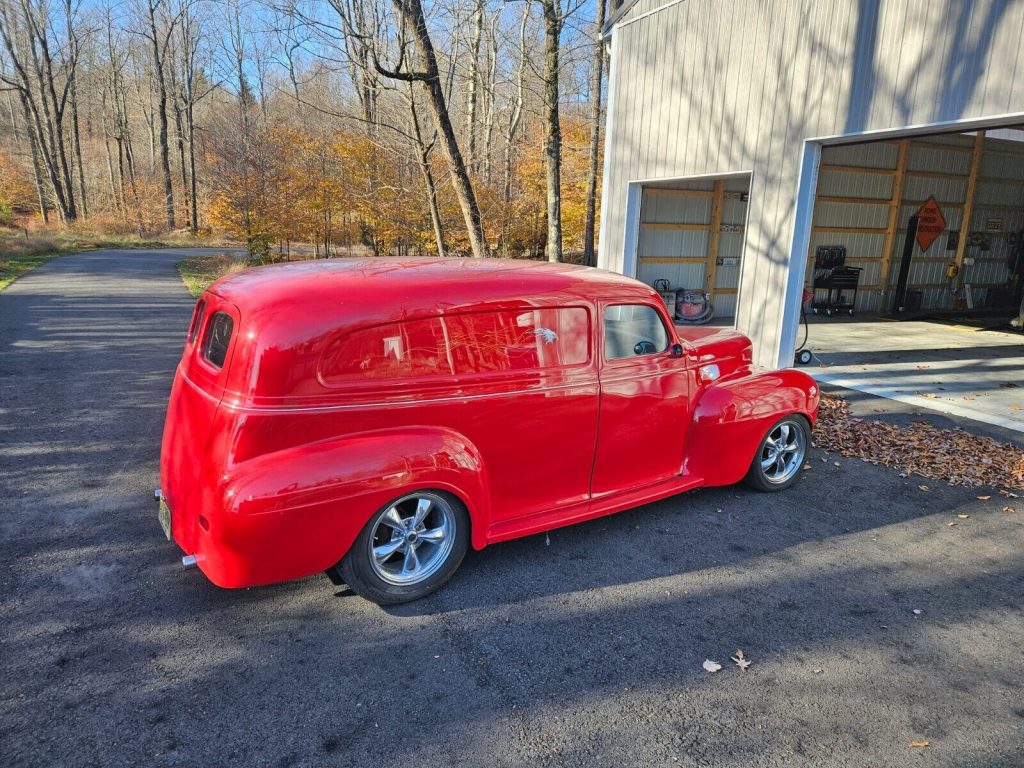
(952, 455)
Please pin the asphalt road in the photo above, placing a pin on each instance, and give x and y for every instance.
(581, 649)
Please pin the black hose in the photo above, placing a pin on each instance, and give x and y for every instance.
(807, 327)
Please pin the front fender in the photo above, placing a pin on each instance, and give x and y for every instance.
(731, 417)
(296, 512)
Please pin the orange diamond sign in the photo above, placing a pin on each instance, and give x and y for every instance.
(930, 223)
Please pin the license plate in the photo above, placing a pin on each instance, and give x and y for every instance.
(164, 516)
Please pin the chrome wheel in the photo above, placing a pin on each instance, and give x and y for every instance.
(783, 452)
(412, 538)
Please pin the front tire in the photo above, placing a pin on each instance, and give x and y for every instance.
(780, 455)
(408, 549)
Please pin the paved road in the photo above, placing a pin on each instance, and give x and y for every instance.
(585, 651)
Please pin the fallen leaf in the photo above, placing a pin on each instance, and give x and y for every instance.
(919, 744)
(922, 367)
(968, 397)
(963, 517)
(984, 498)
(923, 488)
(741, 661)
(1008, 385)
(711, 666)
(818, 671)
(917, 611)
(951, 524)
(1014, 407)
(928, 394)
(919, 449)
(1008, 509)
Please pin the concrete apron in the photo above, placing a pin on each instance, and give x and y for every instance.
(953, 369)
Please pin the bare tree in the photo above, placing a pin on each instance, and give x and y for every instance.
(473, 78)
(514, 117)
(423, 69)
(423, 150)
(589, 257)
(159, 36)
(25, 34)
(552, 128)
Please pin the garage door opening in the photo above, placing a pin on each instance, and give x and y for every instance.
(691, 237)
(922, 316)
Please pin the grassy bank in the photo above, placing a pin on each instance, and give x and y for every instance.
(200, 272)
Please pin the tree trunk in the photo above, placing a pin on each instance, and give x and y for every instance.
(430, 186)
(73, 92)
(37, 170)
(191, 127)
(515, 115)
(552, 132)
(589, 256)
(474, 78)
(165, 151)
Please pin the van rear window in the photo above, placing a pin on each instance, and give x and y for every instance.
(218, 337)
(197, 321)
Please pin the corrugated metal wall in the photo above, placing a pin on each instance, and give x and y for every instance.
(702, 88)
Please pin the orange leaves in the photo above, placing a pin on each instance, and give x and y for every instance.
(17, 194)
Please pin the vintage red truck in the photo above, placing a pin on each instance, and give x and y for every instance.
(375, 418)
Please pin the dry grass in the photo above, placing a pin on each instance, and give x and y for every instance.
(200, 272)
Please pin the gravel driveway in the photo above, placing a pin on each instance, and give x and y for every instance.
(583, 648)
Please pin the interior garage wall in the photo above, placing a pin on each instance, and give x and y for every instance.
(868, 192)
(691, 234)
(699, 87)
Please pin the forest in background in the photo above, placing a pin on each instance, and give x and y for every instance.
(450, 127)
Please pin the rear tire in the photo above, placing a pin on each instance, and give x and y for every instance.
(780, 455)
(408, 549)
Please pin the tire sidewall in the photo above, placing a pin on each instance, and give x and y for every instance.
(756, 477)
(357, 572)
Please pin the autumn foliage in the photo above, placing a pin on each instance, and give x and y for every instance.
(279, 185)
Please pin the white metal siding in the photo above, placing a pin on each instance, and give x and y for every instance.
(714, 87)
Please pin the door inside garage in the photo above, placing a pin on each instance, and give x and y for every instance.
(932, 309)
(691, 236)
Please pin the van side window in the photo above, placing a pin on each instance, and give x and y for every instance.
(517, 340)
(632, 330)
(408, 349)
(197, 321)
(218, 337)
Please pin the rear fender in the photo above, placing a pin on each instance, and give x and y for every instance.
(731, 417)
(296, 512)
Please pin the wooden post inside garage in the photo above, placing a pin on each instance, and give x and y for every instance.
(715, 236)
(895, 205)
(972, 186)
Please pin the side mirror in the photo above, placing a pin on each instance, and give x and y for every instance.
(677, 350)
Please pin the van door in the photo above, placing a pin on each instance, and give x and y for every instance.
(644, 400)
(529, 400)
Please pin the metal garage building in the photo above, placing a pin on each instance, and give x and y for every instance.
(742, 134)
